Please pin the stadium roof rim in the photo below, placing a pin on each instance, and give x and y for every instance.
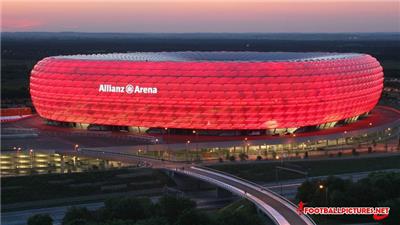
(216, 56)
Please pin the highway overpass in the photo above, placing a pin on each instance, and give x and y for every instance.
(280, 210)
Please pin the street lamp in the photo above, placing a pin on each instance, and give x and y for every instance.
(187, 149)
(322, 187)
(245, 148)
(197, 145)
(165, 140)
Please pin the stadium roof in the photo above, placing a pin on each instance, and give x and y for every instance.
(213, 56)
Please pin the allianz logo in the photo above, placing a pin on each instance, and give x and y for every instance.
(129, 89)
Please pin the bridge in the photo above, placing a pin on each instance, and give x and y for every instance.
(280, 210)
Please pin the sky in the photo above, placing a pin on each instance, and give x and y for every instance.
(188, 16)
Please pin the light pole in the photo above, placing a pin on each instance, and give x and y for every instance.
(165, 141)
(187, 149)
(138, 154)
(197, 145)
(32, 156)
(322, 187)
(159, 153)
(245, 145)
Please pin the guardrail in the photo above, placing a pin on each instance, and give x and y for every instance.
(265, 190)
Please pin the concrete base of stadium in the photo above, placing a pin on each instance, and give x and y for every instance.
(380, 130)
(205, 132)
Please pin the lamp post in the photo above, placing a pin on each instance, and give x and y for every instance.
(32, 157)
(187, 149)
(139, 156)
(322, 187)
(159, 153)
(197, 144)
(164, 140)
(245, 144)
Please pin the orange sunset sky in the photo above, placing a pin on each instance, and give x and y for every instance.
(201, 16)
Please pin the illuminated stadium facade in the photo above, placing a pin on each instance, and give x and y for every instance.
(223, 93)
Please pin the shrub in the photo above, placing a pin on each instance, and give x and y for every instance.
(76, 213)
(128, 208)
(243, 156)
(172, 207)
(40, 219)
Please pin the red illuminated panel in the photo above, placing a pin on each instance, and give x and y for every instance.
(206, 94)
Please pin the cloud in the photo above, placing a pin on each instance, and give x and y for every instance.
(20, 24)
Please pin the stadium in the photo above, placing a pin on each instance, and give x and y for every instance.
(230, 92)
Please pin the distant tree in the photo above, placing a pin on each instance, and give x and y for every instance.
(374, 143)
(171, 207)
(128, 208)
(40, 219)
(259, 157)
(227, 155)
(398, 145)
(153, 221)
(238, 217)
(394, 213)
(243, 156)
(193, 217)
(274, 154)
(338, 198)
(306, 191)
(74, 214)
(78, 221)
